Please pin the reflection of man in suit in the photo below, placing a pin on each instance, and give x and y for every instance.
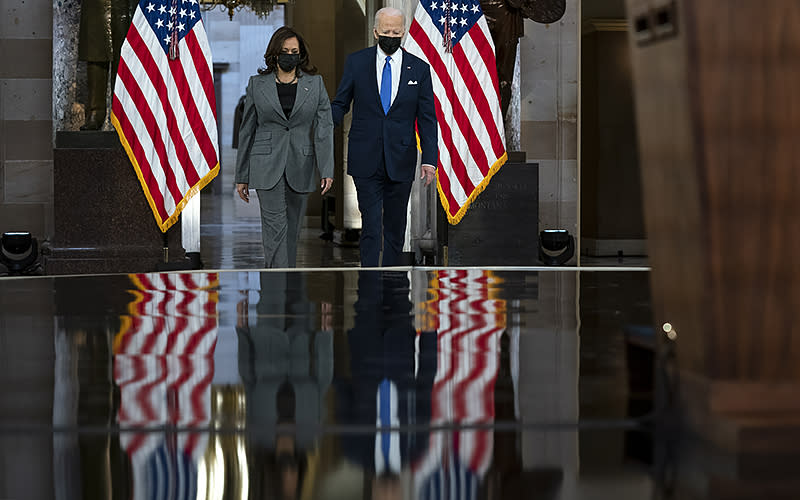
(392, 371)
(286, 367)
(391, 91)
(104, 24)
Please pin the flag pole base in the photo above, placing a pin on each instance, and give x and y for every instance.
(191, 262)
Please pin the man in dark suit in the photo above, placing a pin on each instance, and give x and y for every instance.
(391, 92)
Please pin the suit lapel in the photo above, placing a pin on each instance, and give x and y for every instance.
(405, 77)
(303, 89)
(373, 76)
(270, 92)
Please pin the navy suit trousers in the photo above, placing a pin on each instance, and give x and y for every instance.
(383, 204)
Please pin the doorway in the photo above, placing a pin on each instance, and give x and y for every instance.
(612, 222)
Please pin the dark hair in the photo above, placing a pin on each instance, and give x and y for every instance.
(274, 48)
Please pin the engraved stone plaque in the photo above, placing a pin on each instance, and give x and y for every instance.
(502, 225)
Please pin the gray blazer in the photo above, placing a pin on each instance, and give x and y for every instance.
(270, 144)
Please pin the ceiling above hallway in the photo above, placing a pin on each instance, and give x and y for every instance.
(261, 8)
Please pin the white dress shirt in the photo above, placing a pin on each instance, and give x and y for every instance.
(396, 62)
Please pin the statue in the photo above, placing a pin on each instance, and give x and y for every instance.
(505, 18)
(104, 25)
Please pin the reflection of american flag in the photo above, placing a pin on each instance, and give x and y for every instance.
(453, 37)
(469, 322)
(164, 366)
(164, 108)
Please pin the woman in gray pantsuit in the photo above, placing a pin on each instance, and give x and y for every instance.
(286, 132)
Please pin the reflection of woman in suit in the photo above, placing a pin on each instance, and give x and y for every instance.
(286, 133)
(286, 365)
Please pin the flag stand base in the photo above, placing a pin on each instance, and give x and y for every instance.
(190, 262)
(501, 227)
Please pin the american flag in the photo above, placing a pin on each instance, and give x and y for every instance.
(469, 320)
(164, 108)
(164, 365)
(453, 37)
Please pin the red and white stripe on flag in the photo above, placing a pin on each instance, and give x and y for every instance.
(163, 360)
(453, 37)
(469, 320)
(164, 109)
(171, 314)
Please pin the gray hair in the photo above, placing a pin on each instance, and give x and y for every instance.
(390, 12)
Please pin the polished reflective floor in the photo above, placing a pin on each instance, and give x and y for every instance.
(349, 384)
(231, 237)
(406, 384)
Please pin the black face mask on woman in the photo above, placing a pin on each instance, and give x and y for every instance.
(288, 62)
(389, 44)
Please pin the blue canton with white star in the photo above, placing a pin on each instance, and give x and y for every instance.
(163, 17)
(461, 15)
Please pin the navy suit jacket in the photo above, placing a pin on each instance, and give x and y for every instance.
(383, 344)
(392, 135)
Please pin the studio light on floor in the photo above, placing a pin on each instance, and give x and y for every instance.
(19, 253)
(556, 246)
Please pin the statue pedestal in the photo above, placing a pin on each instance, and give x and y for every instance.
(501, 228)
(103, 223)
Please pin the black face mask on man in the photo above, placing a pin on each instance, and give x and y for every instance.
(389, 44)
(288, 62)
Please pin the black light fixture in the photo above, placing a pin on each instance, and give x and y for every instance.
(19, 252)
(556, 246)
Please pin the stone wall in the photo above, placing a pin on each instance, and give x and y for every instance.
(26, 198)
(26, 136)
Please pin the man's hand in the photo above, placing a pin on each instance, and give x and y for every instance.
(325, 184)
(428, 173)
(244, 194)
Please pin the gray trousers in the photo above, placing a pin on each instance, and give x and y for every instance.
(282, 212)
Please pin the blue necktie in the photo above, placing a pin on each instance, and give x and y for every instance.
(386, 85)
(385, 392)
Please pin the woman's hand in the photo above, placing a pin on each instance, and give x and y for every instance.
(325, 184)
(244, 194)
